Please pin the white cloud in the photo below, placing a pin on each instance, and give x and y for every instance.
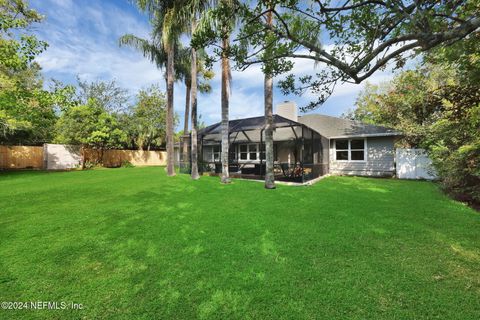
(83, 39)
(89, 48)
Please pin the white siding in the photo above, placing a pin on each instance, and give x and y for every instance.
(379, 161)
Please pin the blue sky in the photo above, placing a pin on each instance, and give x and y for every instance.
(83, 40)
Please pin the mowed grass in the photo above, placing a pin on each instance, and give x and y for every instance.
(135, 244)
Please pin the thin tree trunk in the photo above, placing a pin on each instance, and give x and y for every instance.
(188, 85)
(194, 147)
(225, 106)
(269, 175)
(170, 142)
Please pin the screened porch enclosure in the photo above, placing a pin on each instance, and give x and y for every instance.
(298, 150)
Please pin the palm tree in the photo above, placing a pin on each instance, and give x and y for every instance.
(183, 70)
(167, 29)
(269, 175)
(217, 24)
(227, 25)
(155, 52)
(194, 147)
(226, 78)
(187, 72)
(191, 11)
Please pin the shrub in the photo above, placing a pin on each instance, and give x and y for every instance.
(127, 164)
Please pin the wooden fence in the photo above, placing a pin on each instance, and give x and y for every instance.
(20, 157)
(115, 158)
(61, 157)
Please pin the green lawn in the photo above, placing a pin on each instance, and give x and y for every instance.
(132, 243)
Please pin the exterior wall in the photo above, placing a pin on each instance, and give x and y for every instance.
(380, 160)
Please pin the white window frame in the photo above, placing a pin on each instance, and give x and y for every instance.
(365, 153)
(257, 152)
(209, 153)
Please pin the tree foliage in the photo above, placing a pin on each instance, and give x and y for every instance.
(18, 48)
(145, 124)
(437, 107)
(27, 110)
(108, 94)
(89, 125)
(350, 40)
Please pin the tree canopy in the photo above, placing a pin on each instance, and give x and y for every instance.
(351, 40)
(437, 107)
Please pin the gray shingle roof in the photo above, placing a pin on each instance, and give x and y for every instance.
(327, 126)
(332, 127)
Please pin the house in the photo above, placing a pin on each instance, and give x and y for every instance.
(305, 147)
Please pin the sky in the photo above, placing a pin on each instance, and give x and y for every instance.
(83, 41)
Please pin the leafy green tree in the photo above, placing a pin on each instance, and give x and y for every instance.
(363, 36)
(453, 142)
(89, 126)
(108, 94)
(18, 48)
(148, 117)
(27, 111)
(410, 103)
(437, 107)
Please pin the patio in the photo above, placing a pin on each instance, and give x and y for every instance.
(298, 150)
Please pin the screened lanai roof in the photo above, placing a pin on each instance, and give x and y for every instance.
(248, 124)
(251, 130)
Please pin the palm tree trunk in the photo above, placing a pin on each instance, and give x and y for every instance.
(170, 141)
(225, 106)
(194, 152)
(188, 85)
(269, 175)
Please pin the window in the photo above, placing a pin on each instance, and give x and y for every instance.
(341, 149)
(250, 152)
(243, 152)
(216, 153)
(350, 149)
(357, 150)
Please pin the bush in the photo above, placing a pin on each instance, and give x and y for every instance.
(454, 147)
(90, 165)
(127, 164)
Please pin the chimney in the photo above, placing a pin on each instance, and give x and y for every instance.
(287, 109)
